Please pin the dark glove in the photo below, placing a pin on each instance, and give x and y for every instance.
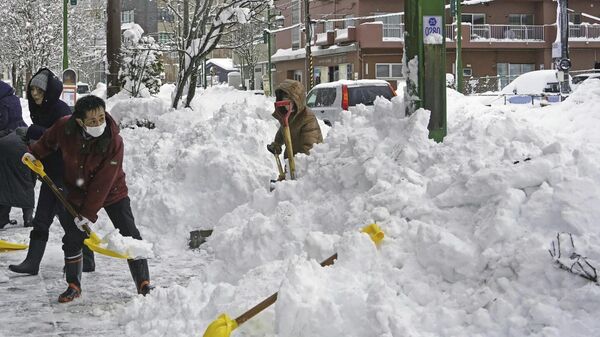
(274, 148)
(21, 131)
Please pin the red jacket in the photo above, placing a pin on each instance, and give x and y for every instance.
(93, 168)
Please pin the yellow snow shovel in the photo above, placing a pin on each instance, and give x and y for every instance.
(224, 325)
(93, 241)
(287, 136)
(6, 246)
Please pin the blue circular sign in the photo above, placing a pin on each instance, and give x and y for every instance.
(432, 21)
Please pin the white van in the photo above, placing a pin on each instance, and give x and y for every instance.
(328, 100)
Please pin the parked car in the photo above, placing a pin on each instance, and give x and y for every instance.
(328, 100)
(578, 79)
(83, 89)
(533, 86)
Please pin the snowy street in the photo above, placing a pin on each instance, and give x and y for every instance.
(30, 306)
(468, 225)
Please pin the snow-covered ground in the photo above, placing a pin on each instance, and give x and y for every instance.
(468, 225)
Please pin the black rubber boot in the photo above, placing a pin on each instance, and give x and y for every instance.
(73, 267)
(31, 265)
(4, 216)
(141, 275)
(89, 265)
(27, 217)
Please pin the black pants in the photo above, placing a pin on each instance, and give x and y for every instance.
(47, 207)
(119, 213)
(5, 214)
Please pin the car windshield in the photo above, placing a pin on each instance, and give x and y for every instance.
(321, 97)
(579, 79)
(366, 94)
(83, 89)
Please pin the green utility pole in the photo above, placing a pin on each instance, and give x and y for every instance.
(460, 80)
(65, 36)
(269, 50)
(426, 62)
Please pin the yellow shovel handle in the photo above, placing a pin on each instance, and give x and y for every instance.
(287, 138)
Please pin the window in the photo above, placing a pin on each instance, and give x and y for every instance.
(164, 38)
(127, 16)
(507, 72)
(295, 20)
(321, 97)
(575, 18)
(329, 26)
(388, 70)
(520, 19)
(166, 15)
(298, 75)
(473, 18)
(367, 94)
(348, 22)
(392, 25)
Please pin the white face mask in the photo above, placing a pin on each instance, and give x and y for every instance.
(95, 131)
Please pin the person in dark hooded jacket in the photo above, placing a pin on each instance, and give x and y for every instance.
(45, 108)
(16, 185)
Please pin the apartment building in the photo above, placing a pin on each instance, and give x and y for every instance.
(363, 39)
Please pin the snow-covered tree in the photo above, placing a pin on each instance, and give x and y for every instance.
(141, 65)
(31, 35)
(200, 27)
(87, 37)
(247, 43)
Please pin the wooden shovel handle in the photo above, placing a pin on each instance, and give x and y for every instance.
(271, 299)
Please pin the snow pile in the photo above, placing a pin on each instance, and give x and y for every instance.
(468, 222)
(194, 166)
(128, 246)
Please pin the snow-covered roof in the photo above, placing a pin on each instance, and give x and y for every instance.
(223, 63)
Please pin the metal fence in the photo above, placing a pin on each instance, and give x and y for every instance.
(507, 33)
(584, 32)
(479, 85)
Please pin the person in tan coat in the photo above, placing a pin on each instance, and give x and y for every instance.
(304, 128)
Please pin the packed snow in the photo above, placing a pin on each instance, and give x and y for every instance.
(468, 222)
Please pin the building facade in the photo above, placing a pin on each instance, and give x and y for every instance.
(363, 39)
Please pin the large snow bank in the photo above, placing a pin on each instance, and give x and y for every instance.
(194, 165)
(468, 223)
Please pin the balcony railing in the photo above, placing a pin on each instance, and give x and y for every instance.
(584, 32)
(507, 33)
(393, 31)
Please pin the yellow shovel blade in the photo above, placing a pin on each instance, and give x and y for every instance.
(221, 327)
(95, 244)
(5, 245)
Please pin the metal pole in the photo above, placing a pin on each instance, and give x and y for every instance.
(65, 36)
(426, 55)
(564, 27)
(269, 51)
(460, 80)
(113, 45)
(308, 62)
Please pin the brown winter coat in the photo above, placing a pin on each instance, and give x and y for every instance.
(304, 128)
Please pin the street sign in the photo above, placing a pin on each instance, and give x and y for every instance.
(69, 94)
(556, 50)
(432, 25)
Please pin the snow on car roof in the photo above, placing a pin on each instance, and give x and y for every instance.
(350, 83)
